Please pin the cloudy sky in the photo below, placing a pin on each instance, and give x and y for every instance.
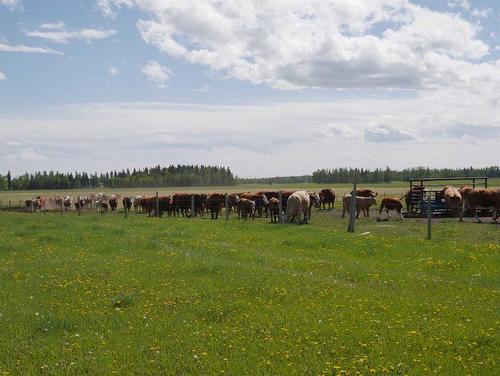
(267, 87)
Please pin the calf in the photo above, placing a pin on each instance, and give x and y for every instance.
(362, 204)
(260, 200)
(391, 203)
(274, 209)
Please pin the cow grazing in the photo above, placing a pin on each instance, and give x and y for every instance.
(327, 196)
(33, 204)
(362, 204)
(391, 203)
(274, 209)
(314, 200)
(127, 203)
(245, 208)
(453, 200)
(474, 199)
(298, 203)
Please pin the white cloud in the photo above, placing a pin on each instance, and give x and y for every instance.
(61, 35)
(302, 44)
(27, 154)
(2, 76)
(59, 25)
(27, 49)
(113, 70)
(465, 5)
(388, 134)
(203, 89)
(12, 4)
(157, 73)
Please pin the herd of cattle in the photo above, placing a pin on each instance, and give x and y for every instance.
(293, 205)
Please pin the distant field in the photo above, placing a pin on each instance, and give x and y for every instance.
(394, 188)
(103, 295)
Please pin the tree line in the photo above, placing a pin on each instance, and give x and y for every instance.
(171, 176)
(349, 175)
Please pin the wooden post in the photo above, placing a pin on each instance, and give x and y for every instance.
(474, 183)
(62, 204)
(280, 207)
(157, 213)
(352, 209)
(9, 204)
(226, 204)
(192, 206)
(429, 218)
(44, 208)
(79, 208)
(125, 208)
(0, 204)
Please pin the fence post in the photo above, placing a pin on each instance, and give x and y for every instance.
(280, 207)
(44, 208)
(192, 206)
(9, 204)
(0, 204)
(125, 208)
(157, 213)
(429, 218)
(79, 208)
(226, 204)
(352, 209)
(62, 204)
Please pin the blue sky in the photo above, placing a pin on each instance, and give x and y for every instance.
(276, 89)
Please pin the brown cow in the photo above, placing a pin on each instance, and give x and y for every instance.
(259, 198)
(245, 208)
(364, 192)
(474, 199)
(181, 202)
(327, 196)
(113, 203)
(391, 203)
(274, 209)
(214, 203)
(362, 204)
(453, 200)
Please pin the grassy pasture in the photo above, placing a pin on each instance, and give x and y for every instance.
(113, 295)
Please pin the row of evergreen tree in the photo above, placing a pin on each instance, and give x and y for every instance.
(172, 176)
(348, 175)
(194, 175)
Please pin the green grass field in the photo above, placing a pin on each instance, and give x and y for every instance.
(103, 295)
